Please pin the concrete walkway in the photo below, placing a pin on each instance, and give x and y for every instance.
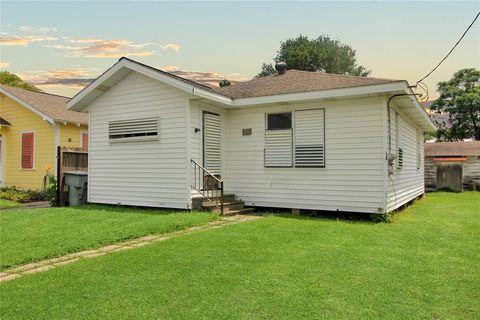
(46, 265)
(36, 204)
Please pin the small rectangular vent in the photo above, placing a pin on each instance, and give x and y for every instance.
(400, 158)
(134, 129)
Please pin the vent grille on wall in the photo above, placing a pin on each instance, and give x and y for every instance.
(400, 158)
(133, 129)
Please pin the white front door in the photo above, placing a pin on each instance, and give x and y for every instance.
(212, 142)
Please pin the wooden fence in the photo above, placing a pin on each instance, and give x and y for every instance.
(69, 159)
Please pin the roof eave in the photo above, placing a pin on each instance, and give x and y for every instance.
(429, 125)
(322, 94)
(77, 103)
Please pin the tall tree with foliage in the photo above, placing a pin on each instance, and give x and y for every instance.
(13, 80)
(460, 98)
(320, 54)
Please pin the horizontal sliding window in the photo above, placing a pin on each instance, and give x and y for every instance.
(133, 129)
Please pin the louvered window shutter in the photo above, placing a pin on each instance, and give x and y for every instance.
(278, 148)
(212, 142)
(310, 138)
(28, 140)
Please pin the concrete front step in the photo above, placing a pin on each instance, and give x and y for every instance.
(231, 205)
(226, 198)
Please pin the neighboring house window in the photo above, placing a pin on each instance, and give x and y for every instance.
(133, 129)
(28, 150)
(84, 140)
(309, 138)
(278, 140)
(295, 139)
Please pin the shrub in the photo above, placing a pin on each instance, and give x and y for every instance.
(14, 194)
(50, 189)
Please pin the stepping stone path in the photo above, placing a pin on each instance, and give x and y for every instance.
(45, 265)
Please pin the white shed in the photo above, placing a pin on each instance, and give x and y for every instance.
(303, 140)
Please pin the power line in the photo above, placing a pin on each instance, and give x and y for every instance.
(451, 50)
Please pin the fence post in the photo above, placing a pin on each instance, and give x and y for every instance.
(59, 162)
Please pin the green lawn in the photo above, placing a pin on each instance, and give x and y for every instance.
(35, 234)
(7, 204)
(424, 265)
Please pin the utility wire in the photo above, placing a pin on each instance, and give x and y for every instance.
(456, 44)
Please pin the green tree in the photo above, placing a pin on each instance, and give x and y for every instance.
(322, 53)
(460, 98)
(13, 80)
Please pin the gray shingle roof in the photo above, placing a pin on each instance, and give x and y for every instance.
(295, 81)
(449, 149)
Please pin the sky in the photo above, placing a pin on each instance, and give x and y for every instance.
(61, 46)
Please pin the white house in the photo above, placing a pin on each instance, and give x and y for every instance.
(302, 140)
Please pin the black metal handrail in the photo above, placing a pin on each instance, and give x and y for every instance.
(208, 185)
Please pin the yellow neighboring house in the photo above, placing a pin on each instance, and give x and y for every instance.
(32, 125)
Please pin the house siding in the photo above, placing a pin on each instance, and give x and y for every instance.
(196, 140)
(22, 119)
(70, 135)
(145, 173)
(407, 182)
(352, 180)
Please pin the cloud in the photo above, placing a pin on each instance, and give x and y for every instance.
(99, 48)
(171, 46)
(74, 78)
(4, 65)
(169, 68)
(24, 41)
(31, 29)
(209, 79)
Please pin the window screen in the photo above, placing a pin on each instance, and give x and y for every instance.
(279, 121)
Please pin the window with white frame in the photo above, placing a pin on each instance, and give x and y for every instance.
(278, 140)
(295, 139)
(133, 129)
